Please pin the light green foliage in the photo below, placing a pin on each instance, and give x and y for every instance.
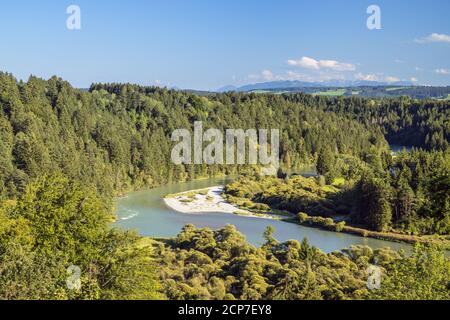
(57, 223)
(207, 264)
(423, 276)
(340, 226)
(294, 194)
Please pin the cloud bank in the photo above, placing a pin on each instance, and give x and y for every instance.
(313, 64)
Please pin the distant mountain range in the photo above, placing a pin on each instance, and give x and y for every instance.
(287, 84)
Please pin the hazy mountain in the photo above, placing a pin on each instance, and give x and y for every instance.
(227, 88)
(287, 84)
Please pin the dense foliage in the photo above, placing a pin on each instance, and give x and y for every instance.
(404, 121)
(206, 264)
(409, 192)
(297, 194)
(56, 224)
(108, 136)
(64, 153)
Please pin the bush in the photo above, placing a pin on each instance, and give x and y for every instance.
(261, 206)
(321, 181)
(328, 223)
(302, 217)
(247, 204)
(339, 226)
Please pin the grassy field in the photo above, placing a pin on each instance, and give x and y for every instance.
(260, 91)
(268, 91)
(394, 89)
(330, 93)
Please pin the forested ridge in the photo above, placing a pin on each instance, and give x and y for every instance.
(404, 121)
(65, 153)
(108, 136)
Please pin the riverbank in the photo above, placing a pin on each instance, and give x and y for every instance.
(146, 212)
(209, 200)
(330, 225)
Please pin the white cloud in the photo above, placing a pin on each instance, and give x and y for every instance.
(375, 77)
(366, 77)
(253, 77)
(292, 75)
(313, 64)
(321, 76)
(418, 68)
(399, 61)
(267, 75)
(305, 62)
(391, 79)
(435, 37)
(442, 71)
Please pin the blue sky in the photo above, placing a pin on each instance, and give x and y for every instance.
(207, 44)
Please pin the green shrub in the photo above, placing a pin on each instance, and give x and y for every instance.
(328, 223)
(261, 206)
(247, 204)
(302, 217)
(321, 181)
(339, 226)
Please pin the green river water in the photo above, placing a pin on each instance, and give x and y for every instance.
(146, 212)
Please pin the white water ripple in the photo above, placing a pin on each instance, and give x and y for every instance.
(130, 214)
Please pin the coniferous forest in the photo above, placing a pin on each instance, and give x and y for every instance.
(66, 153)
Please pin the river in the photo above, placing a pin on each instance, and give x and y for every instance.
(146, 212)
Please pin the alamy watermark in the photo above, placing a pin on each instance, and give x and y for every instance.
(229, 150)
(73, 281)
(374, 20)
(73, 22)
(373, 277)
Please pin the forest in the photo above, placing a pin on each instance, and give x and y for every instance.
(66, 153)
(405, 121)
(407, 193)
(106, 136)
(206, 264)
